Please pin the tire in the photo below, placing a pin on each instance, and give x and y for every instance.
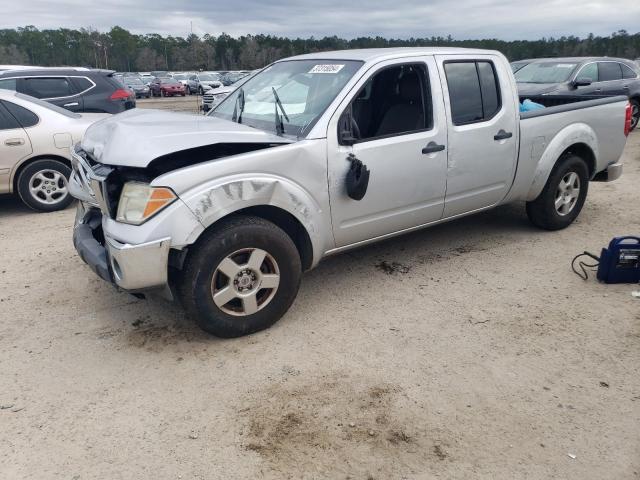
(635, 113)
(542, 211)
(182, 94)
(239, 239)
(36, 177)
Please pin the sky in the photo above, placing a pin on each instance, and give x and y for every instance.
(463, 19)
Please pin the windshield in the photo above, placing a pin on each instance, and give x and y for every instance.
(169, 81)
(206, 77)
(545, 72)
(133, 81)
(180, 77)
(48, 106)
(305, 88)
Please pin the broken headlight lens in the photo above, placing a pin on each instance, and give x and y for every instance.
(140, 201)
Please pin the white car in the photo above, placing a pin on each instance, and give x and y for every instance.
(35, 142)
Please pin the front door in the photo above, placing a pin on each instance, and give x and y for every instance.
(483, 132)
(401, 137)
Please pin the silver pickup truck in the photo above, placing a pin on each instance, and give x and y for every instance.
(318, 154)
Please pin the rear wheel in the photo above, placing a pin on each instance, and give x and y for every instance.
(241, 277)
(635, 113)
(563, 196)
(43, 185)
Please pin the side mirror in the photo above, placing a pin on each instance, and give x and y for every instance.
(582, 82)
(345, 129)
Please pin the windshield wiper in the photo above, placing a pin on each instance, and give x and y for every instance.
(237, 115)
(278, 118)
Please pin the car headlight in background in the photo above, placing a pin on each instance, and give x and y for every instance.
(140, 201)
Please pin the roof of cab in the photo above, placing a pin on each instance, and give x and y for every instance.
(378, 54)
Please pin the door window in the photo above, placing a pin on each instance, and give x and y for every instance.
(474, 92)
(52, 87)
(609, 71)
(7, 122)
(392, 102)
(8, 84)
(589, 71)
(25, 117)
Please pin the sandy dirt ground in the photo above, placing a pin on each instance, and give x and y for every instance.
(469, 350)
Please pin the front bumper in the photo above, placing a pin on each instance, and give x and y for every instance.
(609, 174)
(130, 267)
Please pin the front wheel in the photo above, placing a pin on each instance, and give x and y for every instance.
(43, 185)
(241, 277)
(563, 196)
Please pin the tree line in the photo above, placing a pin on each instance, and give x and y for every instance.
(119, 49)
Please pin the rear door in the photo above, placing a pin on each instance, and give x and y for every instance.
(58, 90)
(610, 77)
(481, 101)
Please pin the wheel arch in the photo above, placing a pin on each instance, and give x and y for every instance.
(578, 139)
(277, 200)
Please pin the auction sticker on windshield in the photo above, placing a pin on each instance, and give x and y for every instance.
(326, 68)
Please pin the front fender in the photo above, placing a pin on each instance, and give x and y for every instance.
(216, 200)
(576, 133)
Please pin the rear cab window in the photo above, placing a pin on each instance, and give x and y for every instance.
(474, 91)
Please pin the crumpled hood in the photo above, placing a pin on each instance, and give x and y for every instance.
(533, 89)
(136, 137)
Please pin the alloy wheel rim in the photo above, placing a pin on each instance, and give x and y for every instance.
(245, 282)
(567, 193)
(48, 186)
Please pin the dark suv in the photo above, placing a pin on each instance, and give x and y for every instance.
(542, 79)
(76, 89)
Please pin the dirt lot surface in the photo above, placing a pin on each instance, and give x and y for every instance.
(469, 350)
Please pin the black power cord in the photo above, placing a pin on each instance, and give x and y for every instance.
(583, 266)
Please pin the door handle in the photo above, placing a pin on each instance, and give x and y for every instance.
(72, 104)
(432, 147)
(14, 142)
(502, 135)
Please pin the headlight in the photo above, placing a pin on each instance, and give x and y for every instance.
(140, 201)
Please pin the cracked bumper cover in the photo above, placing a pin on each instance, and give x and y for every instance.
(130, 267)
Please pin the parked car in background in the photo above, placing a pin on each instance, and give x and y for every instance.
(517, 65)
(159, 73)
(166, 87)
(206, 81)
(35, 138)
(213, 97)
(139, 89)
(226, 211)
(188, 80)
(582, 76)
(76, 89)
(232, 77)
(146, 78)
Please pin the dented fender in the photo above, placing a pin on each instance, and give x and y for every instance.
(229, 195)
(571, 135)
